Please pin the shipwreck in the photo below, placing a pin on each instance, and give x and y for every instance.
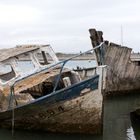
(123, 68)
(38, 92)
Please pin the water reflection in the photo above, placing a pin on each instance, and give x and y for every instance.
(136, 124)
(130, 134)
(28, 135)
(117, 122)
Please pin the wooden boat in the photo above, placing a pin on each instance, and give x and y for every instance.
(38, 92)
(123, 67)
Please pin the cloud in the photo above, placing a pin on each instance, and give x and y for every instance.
(65, 24)
(17, 14)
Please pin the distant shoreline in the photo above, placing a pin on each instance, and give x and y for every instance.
(62, 56)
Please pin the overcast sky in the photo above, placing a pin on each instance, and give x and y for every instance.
(64, 23)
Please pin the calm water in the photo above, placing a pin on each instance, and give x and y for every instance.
(117, 123)
(27, 65)
(27, 135)
(81, 64)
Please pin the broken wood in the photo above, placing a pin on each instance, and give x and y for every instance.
(123, 75)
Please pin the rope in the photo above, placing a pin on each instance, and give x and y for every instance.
(11, 105)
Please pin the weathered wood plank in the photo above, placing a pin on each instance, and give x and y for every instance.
(122, 74)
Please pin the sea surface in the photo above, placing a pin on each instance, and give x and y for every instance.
(74, 64)
(118, 124)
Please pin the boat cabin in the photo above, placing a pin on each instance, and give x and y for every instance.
(34, 71)
(23, 60)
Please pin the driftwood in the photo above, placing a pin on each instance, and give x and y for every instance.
(123, 75)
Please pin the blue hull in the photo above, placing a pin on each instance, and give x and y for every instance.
(40, 105)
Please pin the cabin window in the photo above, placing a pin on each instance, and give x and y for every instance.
(44, 58)
(25, 66)
(6, 72)
(24, 63)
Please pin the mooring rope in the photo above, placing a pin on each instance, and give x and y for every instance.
(13, 113)
(11, 105)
